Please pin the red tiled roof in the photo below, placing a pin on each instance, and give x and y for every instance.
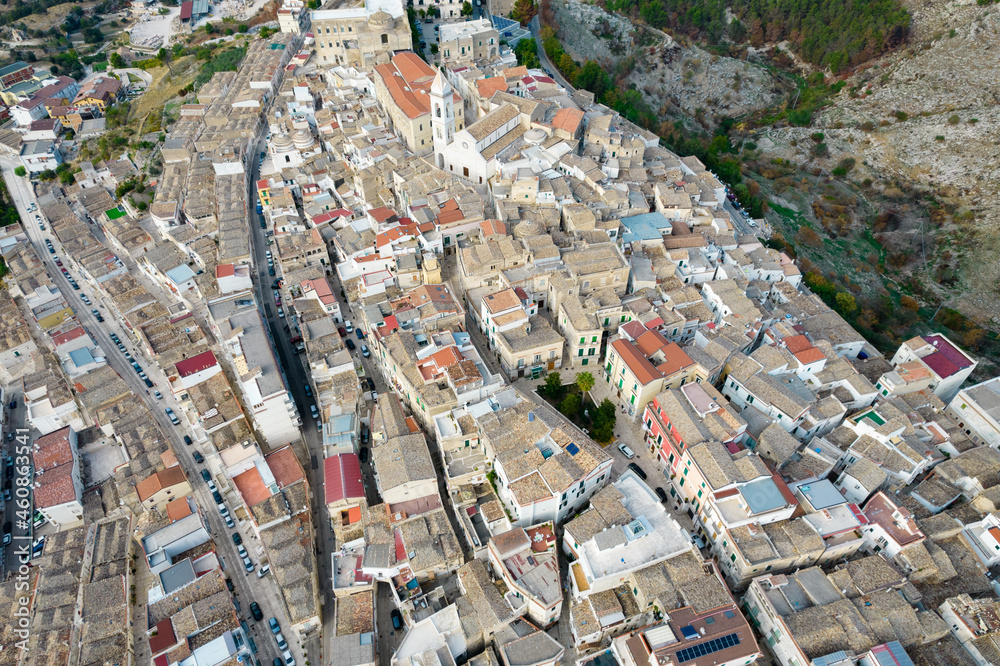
(342, 478)
(796, 343)
(178, 508)
(650, 342)
(636, 362)
(158, 481)
(381, 214)
(487, 87)
(56, 487)
(225, 270)
(567, 119)
(811, 355)
(63, 338)
(202, 361)
(285, 467)
(634, 328)
(251, 487)
(164, 637)
(186, 8)
(52, 450)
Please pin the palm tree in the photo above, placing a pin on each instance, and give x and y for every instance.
(585, 382)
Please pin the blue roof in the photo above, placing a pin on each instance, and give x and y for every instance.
(762, 495)
(647, 226)
(821, 494)
(81, 357)
(344, 423)
(181, 274)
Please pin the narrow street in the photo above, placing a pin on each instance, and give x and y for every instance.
(248, 588)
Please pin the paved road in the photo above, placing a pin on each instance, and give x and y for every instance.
(248, 586)
(544, 58)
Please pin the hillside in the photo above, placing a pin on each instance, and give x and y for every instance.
(882, 182)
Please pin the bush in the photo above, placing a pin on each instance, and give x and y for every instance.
(20, 171)
(953, 120)
(901, 116)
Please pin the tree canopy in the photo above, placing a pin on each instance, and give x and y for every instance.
(833, 33)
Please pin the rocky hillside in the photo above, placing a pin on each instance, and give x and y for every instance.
(922, 125)
(679, 80)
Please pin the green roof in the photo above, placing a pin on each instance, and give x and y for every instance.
(115, 213)
(10, 69)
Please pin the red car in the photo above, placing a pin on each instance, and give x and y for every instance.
(342, 331)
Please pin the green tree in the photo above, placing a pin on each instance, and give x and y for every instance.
(584, 382)
(570, 406)
(592, 77)
(48, 174)
(553, 386)
(66, 178)
(466, 9)
(526, 51)
(604, 420)
(116, 60)
(20, 171)
(524, 11)
(846, 304)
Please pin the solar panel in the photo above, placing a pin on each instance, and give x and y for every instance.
(708, 647)
(572, 448)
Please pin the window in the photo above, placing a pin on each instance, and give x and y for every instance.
(385, 39)
(590, 352)
(579, 352)
(594, 339)
(583, 340)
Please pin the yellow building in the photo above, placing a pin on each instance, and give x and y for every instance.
(361, 36)
(402, 87)
(643, 363)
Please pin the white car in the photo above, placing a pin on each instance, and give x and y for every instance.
(288, 658)
(626, 451)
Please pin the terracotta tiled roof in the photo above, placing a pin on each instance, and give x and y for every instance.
(284, 466)
(52, 450)
(251, 487)
(157, 482)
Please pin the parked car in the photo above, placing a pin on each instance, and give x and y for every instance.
(626, 451)
(369, 383)
(397, 619)
(205, 475)
(228, 520)
(281, 313)
(275, 627)
(364, 351)
(638, 470)
(198, 458)
(237, 538)
(363, 454)
(263, 571)
(217, 497)
(248, 564)
(187, 440)
(342, 332)
(309, 391)
(157, 395)
(661, 494)
(349, 343)
(173, 417)
(256, 612)
(85, 299)
(270, 270)
(282, 643)
(360, 333)
(148, 382)
(349, 326)
(289, 659)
